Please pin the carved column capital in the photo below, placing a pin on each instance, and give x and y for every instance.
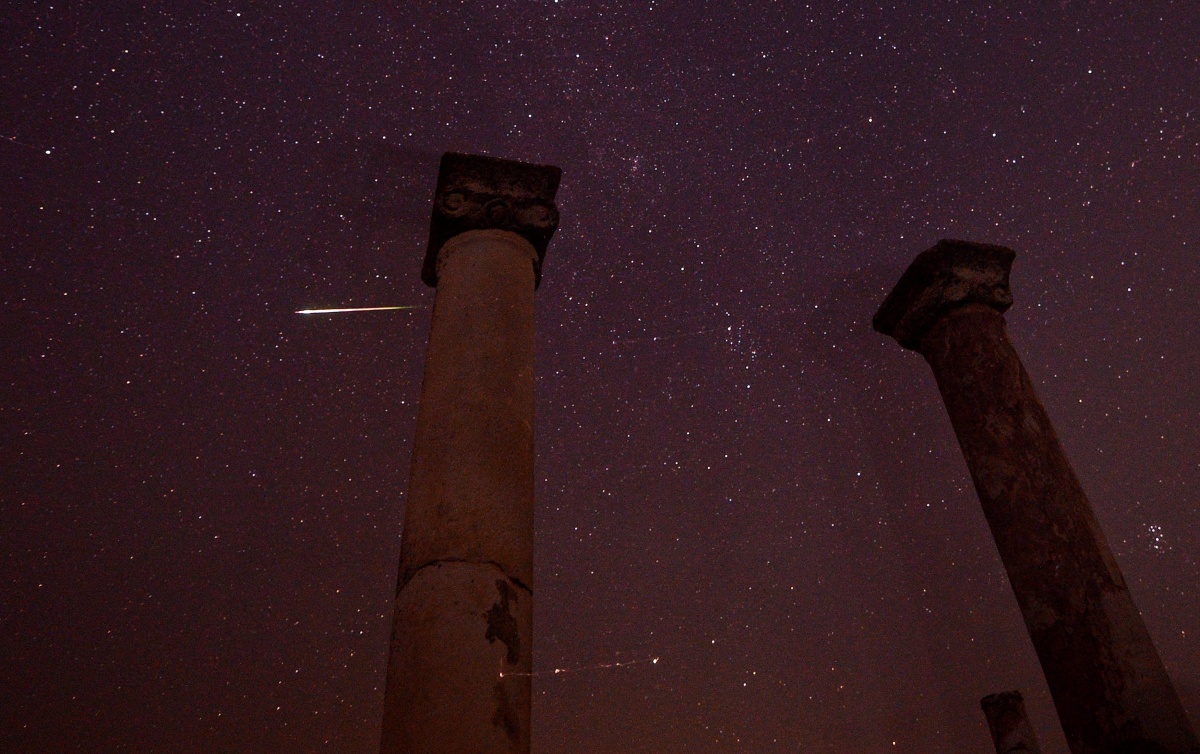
(485, 193)
(949, 275)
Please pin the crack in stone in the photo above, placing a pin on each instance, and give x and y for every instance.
(423, 566)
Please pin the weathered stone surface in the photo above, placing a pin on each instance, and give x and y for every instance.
(1010, 728)
(1108, 683)
(952, 273)
(459, 671)
(485, 193)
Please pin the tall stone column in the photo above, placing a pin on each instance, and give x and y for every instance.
(1008, 724)
(458, 678)
(1109, 686)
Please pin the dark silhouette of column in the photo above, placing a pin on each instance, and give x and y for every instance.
(1109, 686)
(1011, 732)
(458, 678)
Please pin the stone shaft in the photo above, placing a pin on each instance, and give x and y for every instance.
(458, 679)
(1010, 729)
(1110, 689)
(458, 673)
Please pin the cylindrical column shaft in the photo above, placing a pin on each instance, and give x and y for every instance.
(1010, 729)
(1109, 686)
(470, 493)
(458, 679)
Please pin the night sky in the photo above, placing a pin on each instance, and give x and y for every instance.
(202, 492)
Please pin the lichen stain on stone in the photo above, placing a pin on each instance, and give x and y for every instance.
(501, 623)
(506, 716)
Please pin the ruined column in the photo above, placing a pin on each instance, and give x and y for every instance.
(1010, 729)
(1109, 686)
(458, 678)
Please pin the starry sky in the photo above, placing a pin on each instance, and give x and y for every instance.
(202, 492)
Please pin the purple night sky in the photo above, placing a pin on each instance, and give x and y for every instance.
(201, 492)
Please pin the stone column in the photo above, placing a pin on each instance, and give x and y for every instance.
(1108, 683)
(1011, 732)
(458, 678)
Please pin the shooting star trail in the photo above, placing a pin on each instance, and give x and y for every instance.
(14, 140)
(357, 309)
(601, 666)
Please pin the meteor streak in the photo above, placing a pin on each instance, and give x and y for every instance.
(601, 666)
(358, 309)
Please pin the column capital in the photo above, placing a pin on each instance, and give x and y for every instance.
(485, 193)
(948, 275)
